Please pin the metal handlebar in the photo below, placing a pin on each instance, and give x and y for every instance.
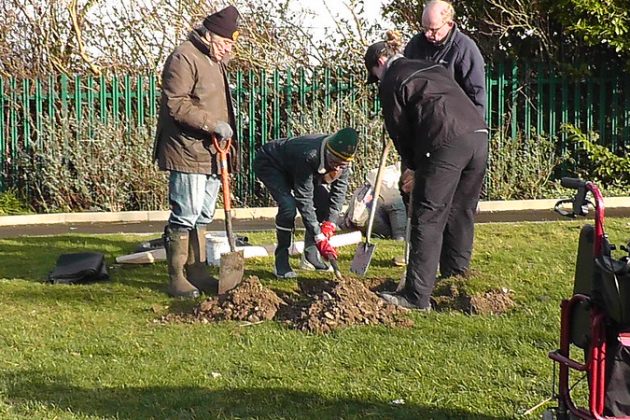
(580, 208)
(573, 183)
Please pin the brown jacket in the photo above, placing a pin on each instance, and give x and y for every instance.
(195, 97)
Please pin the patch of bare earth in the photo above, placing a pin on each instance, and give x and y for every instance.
(250, 301)
(331, 305)
(451, 294)
(319, 306)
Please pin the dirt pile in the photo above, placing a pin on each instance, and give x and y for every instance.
(318, 306)
(453, 295)
(326, 306)
(250, 301)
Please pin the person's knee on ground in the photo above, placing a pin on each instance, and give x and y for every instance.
(176, 244)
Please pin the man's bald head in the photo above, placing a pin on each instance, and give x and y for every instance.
(437, 20)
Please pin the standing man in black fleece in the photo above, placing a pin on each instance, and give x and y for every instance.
(443, 43)
(308, 174)
(440, 136)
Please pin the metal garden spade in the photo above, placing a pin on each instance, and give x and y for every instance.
(365, 250)
(232, 263)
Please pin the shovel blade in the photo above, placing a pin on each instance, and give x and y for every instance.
(362, 258)
(231, 270)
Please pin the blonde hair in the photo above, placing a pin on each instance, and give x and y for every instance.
(394, 41)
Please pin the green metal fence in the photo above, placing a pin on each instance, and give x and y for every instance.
(523, 100)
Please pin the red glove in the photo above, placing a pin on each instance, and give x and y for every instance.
(328, 229)
(326, 249)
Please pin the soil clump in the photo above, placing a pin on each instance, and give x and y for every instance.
(324, 306)
(453, 294)
(317, 306)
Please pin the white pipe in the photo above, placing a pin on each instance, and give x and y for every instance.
(342, 239)
(216, 245)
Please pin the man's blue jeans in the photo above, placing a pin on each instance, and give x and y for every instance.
(193, 198)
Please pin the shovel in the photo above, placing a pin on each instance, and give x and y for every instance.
(233, 262)
(364, 251)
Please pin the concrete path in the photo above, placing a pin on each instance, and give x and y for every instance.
(245, 220)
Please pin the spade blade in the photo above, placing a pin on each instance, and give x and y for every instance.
(362, 258)
(231, 270)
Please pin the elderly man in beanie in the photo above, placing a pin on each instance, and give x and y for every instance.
(308, 174)
(195, 105)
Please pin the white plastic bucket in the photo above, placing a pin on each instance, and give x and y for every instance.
(215, 246)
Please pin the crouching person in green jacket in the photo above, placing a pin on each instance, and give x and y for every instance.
(308, 174)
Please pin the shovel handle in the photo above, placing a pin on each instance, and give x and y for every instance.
(387, 144)
(222, 147)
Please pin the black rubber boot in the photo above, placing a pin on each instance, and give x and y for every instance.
(310, 257)
(283, 268)
(196, 265)
(176, 245)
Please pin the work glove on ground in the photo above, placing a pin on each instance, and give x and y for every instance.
(325, 248)
(223, 130)
(328, 229)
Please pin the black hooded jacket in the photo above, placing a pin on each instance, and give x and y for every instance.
(424, 108)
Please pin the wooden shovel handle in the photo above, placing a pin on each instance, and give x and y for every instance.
(387, 144)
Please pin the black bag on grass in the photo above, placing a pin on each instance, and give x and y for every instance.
(82, 267)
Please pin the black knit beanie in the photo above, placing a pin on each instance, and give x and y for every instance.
(223, 23)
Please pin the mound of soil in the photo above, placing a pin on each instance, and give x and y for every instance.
(250, 301)
(452, 295)
(332, 305)
(318, 306)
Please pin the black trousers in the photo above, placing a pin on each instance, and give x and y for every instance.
(445, 196)
(280, 185)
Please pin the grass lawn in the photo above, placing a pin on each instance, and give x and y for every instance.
(94, 351)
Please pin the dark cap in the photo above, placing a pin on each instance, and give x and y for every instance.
(223, 23)
(373, 53)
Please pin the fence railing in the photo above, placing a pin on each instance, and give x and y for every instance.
(528, 100)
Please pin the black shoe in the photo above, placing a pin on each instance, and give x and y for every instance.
(310, 261)
(313, 264)
(310, 257)
(401, 301)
